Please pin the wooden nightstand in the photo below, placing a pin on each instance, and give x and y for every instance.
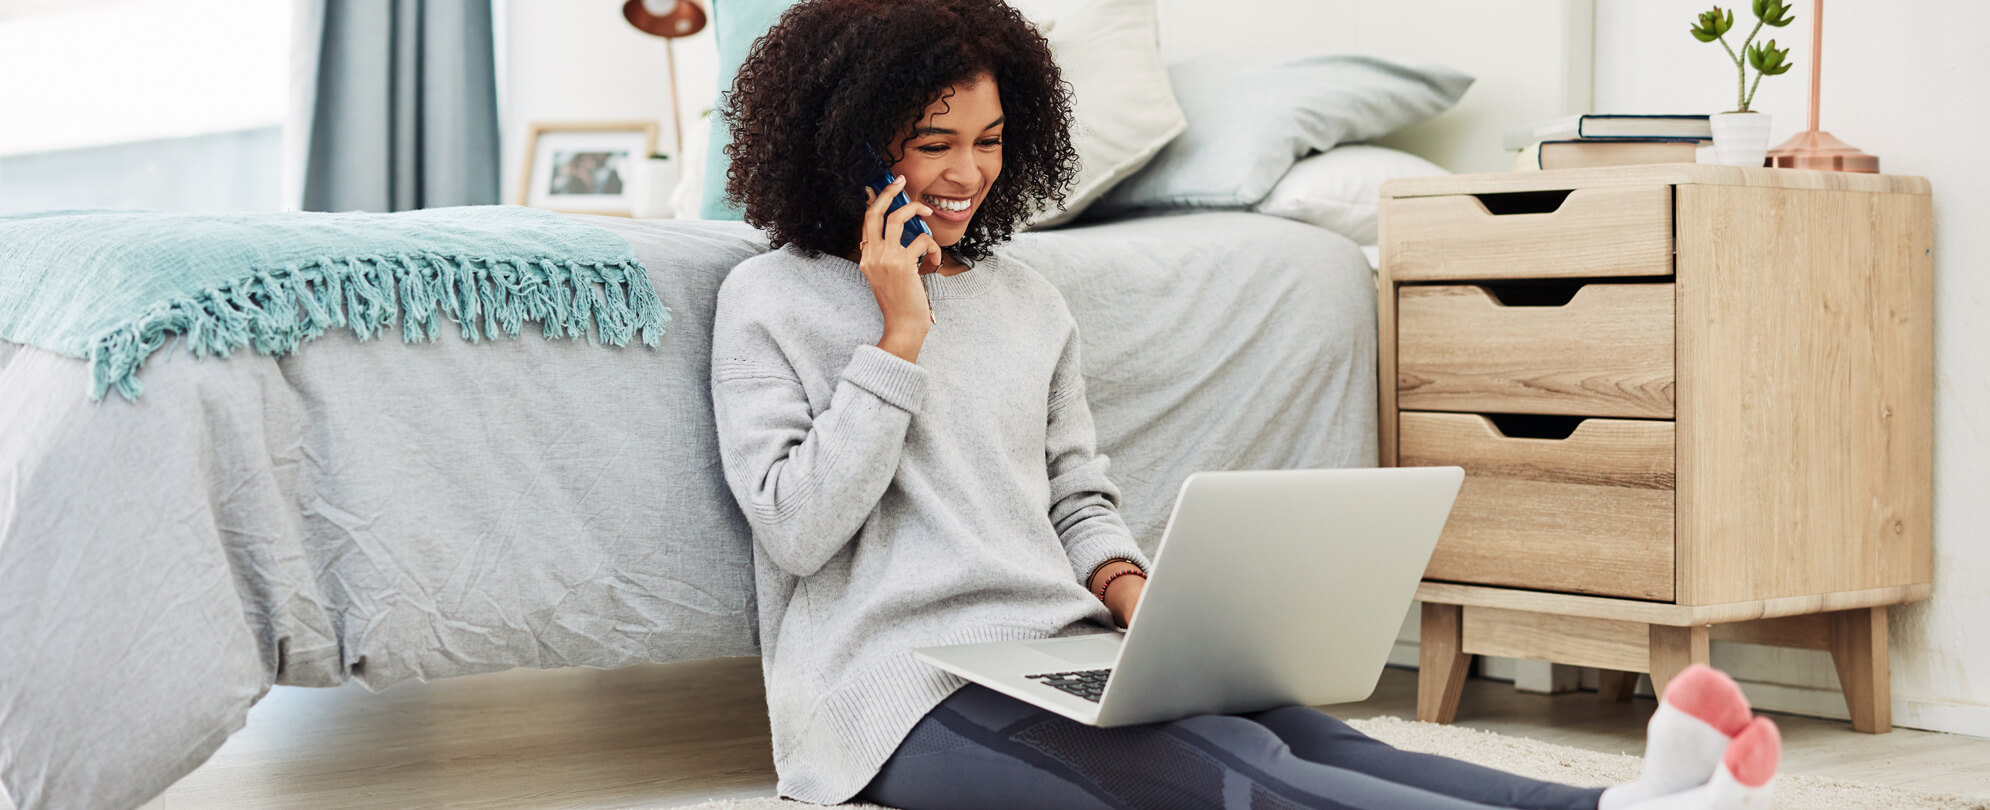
(1692, 403)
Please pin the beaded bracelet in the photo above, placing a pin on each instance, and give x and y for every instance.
(1107, 585)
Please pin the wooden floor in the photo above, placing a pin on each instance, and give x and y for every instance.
(662, 736)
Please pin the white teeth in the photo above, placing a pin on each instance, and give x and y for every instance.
(955, 206)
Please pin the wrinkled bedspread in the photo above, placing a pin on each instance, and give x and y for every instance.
(378, 511)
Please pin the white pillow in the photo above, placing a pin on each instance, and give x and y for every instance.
(1123, 110)
(1341, 189)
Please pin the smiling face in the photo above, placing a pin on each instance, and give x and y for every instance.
(954, 156)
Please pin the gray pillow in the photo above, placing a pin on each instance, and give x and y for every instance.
(1250, 117)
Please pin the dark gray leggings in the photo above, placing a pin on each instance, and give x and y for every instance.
(981, 749)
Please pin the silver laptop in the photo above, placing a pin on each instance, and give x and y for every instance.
(1270, 588)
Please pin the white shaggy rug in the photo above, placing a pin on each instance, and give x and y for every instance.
(1557, 763)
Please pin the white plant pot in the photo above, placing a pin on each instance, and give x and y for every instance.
(650, 188)
(1741, 138)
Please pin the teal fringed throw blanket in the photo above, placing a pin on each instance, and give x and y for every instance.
(111, 287)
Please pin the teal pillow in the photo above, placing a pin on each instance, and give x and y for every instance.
(736, 25)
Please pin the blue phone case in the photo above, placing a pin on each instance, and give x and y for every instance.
(914, 226)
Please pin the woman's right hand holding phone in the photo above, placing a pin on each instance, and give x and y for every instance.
(893, 271)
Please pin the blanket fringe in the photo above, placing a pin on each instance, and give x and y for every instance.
(274, 311)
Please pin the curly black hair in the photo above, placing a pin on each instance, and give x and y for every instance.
(835, 75)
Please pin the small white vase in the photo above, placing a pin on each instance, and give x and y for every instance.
(650, 188)
(1741, 138)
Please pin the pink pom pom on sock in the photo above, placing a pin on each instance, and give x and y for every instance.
(1711, 696)
(1695, 725)
(1755, 752)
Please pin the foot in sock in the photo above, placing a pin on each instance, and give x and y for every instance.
(1744, 781)
(1702, 711)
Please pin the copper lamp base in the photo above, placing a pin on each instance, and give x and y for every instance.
(1814, 149)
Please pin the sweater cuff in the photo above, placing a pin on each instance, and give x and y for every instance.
(891, 378)
(1088, 554)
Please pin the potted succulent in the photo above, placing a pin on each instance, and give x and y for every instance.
(1741, 136)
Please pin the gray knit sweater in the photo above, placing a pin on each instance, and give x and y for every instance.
(897, 505)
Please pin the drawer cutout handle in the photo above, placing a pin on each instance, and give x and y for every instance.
(1532, 294)
(1508, 203)
(1534, 426)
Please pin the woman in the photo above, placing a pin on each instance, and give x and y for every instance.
(905, 428)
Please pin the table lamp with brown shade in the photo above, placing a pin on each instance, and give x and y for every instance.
(669, 19)
(1814, 148)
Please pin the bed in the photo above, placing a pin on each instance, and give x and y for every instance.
(310, 520)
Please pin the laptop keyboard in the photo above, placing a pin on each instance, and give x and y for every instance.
(1085, 683)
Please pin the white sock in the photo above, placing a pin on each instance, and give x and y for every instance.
(1722, 792)
(1681, 752)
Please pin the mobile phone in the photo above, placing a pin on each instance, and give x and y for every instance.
(914, 226)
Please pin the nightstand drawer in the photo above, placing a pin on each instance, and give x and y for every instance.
(1589, 513)
(1589, 232)
(1606, 351)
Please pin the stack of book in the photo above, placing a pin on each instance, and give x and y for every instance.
(1582, 141)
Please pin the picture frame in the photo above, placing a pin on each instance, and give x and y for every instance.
(584, 167)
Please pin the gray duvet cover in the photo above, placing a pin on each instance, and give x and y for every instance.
(378, 511)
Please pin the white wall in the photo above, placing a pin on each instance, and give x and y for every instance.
(578, 60)
(1904, 81)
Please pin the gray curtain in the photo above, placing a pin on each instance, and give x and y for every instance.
(397, 104)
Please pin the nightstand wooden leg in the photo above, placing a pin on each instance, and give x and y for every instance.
(1441, 663)
(1616, 685)
(1859, 648)
(1673, 649)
